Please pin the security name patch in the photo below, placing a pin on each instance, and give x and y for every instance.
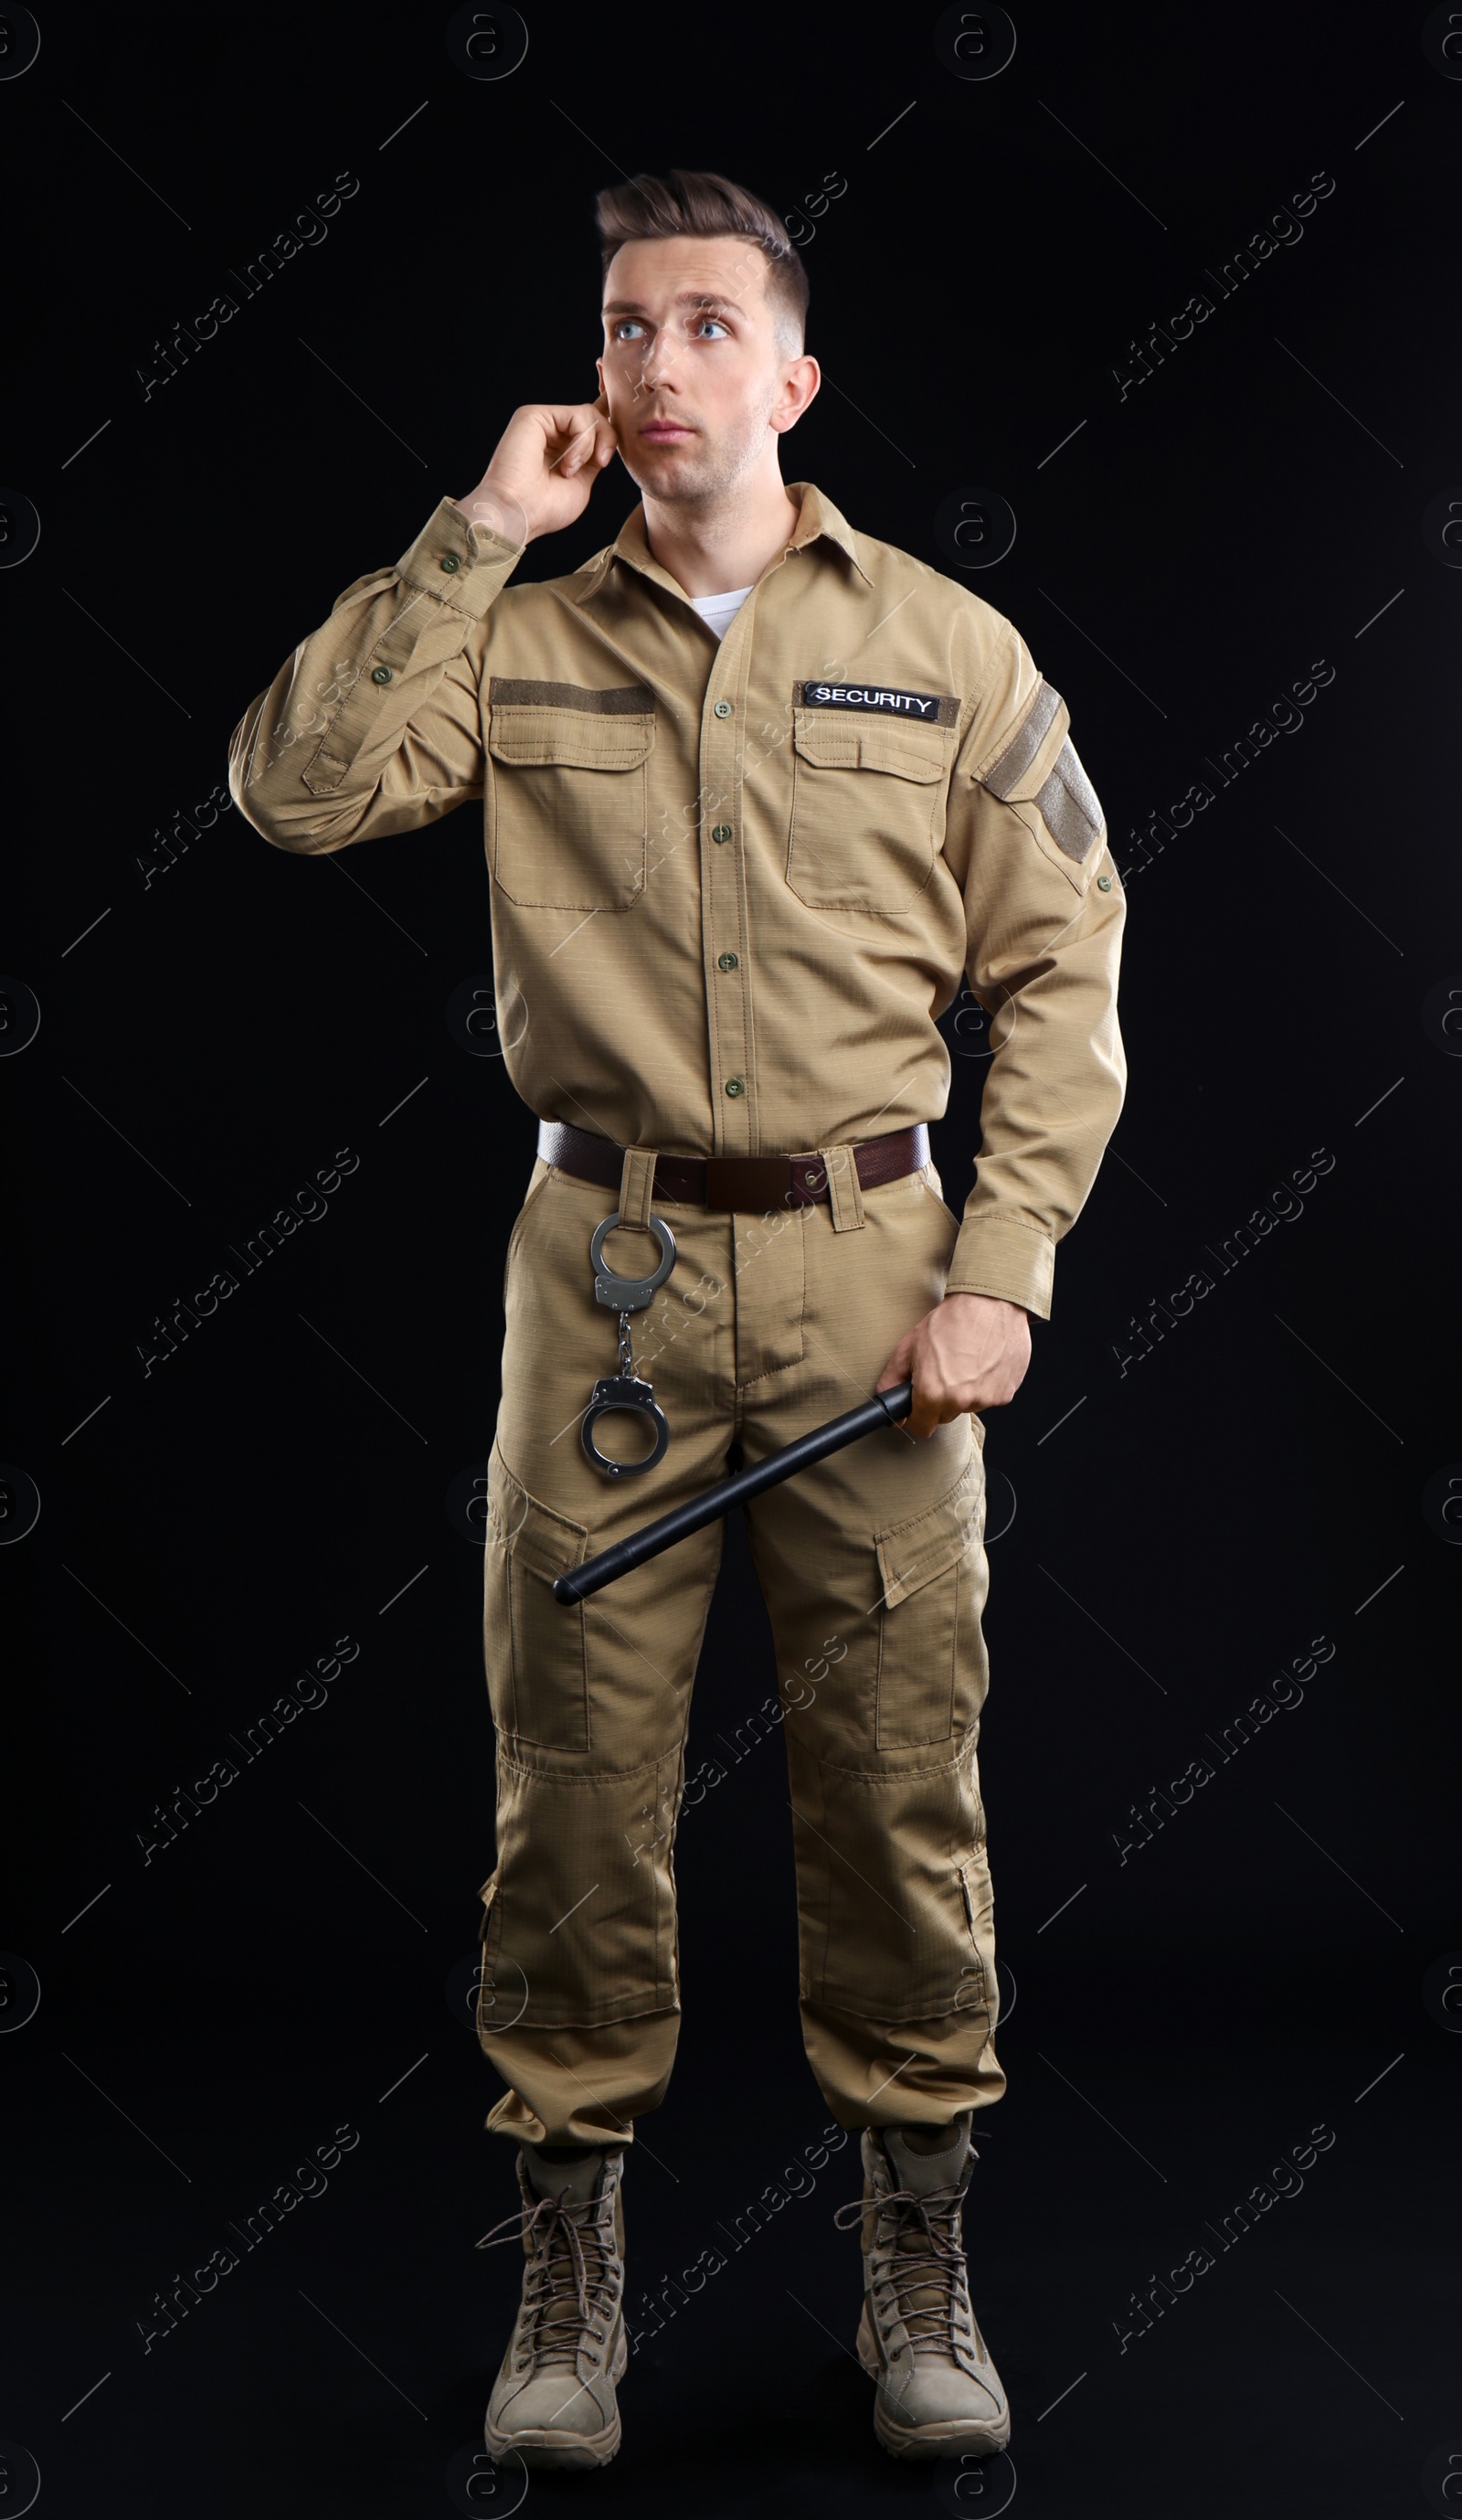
(926, 708)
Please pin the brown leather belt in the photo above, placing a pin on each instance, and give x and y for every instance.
(752, 1184)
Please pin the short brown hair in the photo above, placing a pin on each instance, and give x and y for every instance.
(707, 205)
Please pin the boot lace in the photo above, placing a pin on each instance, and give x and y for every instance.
(924, 2269)
(570, 2272)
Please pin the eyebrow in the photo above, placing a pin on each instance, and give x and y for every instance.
(703, 298)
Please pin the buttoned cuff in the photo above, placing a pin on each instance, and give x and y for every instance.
(994, 1256)
(460, 564)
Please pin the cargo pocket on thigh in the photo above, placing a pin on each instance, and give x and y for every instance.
(927, 1581)
(534, 1647)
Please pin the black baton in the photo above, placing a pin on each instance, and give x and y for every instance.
(882, 1410)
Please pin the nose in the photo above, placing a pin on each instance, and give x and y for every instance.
(659, 361)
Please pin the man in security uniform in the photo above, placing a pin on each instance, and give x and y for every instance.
(758, 792)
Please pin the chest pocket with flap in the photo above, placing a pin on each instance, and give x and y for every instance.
(868, 808)
(567, 813)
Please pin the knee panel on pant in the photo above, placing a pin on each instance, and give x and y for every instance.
(894, 1910)
(579, 1925)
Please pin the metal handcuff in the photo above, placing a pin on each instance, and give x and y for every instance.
(626, 1389)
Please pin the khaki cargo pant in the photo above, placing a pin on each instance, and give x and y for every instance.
(872, 1570)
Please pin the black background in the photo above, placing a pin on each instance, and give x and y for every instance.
(1169, 1537)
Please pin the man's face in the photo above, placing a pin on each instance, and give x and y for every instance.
(694, 377)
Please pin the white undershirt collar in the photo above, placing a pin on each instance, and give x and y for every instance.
(718, 611)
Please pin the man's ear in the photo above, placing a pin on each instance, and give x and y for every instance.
(599, 367)
(799, 385)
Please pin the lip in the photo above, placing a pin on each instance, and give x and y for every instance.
(664, 430)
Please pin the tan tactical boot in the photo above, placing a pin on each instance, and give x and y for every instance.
(552, 2401)
(939, 2393)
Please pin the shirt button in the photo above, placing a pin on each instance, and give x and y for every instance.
(382, 674)
(728, 961)
(451, 561)
(723, 708)
(722, 832)
(733, 1085)
(1103, 883)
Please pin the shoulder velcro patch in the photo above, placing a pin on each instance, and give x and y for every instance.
(1009, 769)
(1060, 789)
(1068, 804)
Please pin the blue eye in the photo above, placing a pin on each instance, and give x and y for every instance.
(713, 321)
(626, 326)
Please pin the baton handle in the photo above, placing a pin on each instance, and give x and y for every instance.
(884, 1409)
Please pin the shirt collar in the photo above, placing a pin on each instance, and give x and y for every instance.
(818, 519)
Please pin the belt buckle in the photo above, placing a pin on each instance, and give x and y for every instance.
(754, 1184)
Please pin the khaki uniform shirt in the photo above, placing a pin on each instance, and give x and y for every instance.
(733, 884)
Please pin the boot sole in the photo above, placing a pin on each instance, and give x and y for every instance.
(542, 2447)
(950, 2440)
